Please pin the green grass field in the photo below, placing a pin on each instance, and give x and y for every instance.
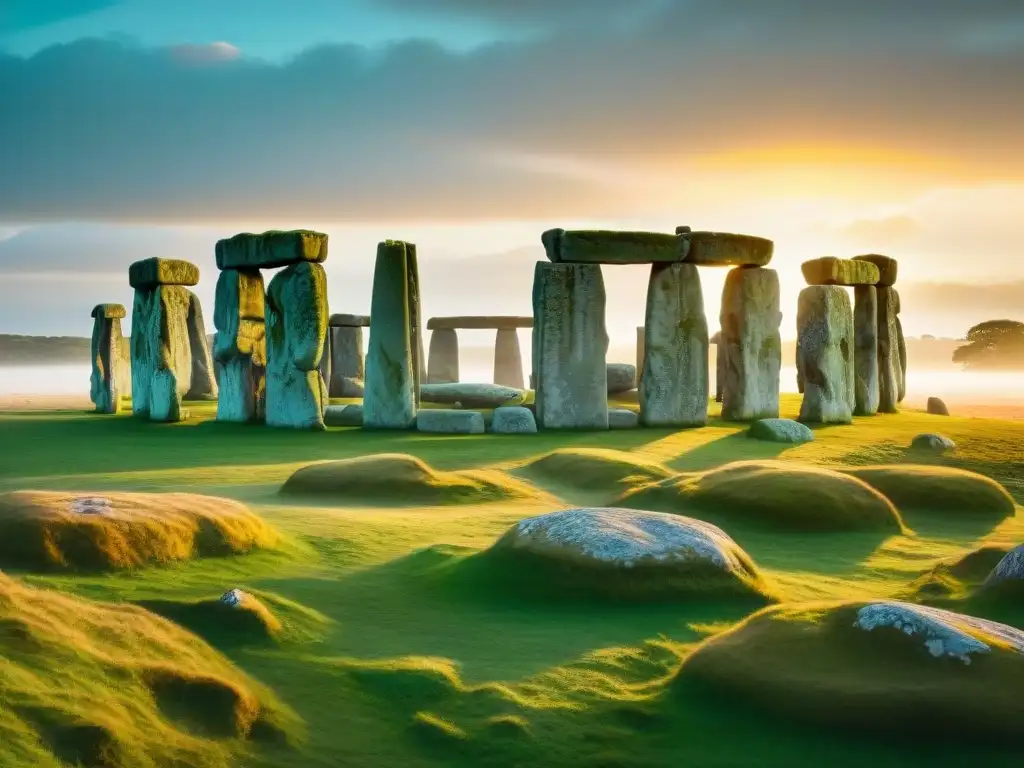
(397, 648)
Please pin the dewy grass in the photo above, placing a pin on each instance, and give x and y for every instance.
(397, 647)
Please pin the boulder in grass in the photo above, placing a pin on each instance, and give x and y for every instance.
(469, 395)
(780, 431)
(621, 378)
(513, 419)
(343, 415)
(932, 442)
(623, 418)
(450, 421)
(936, 407)
(1009, 570)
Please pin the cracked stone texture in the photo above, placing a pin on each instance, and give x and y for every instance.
(296, 325)
(570, 346)
(890, 371)
(865, 350)
(674, 393)
(271, 250)
(443, 360)
(825, 337)
(751, 344)
(240, 346)
(513, 420)
(390, 393)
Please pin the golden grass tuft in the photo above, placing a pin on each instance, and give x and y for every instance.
(41, 530)
(773, 495)
(113, 686)
(399, 477)
(938, 489)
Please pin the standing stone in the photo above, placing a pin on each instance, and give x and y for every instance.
(865, 350)
(641, 335)
(141, 356)
(326, 356)
(720, 358)
(508, 358)
(105, 381)
(347, 366)
(674, 393)
(902, 345)
(166, 331)
(296, 326)
(391, 389)
(890, 371)
(825, 328)
(203, 384)
(240, 346)
(570, 345)
(750, 344)
(443, 365)
(412, 273)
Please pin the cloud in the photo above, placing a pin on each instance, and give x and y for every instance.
(205, 54)
(705, 100)
(19, 15)
(881, 232)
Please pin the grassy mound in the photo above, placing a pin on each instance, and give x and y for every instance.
(813, 664)
(938, 489)
(45, 530)
(113, 686)
(771, 494)
(399, 477)
(593, 469)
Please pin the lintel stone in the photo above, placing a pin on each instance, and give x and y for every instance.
(598, 246)
(349, 321)
(484, 322)
(149, 273)
(829, 270)
(888, 268)
(109, 311)
(723, 249)
(271, 250)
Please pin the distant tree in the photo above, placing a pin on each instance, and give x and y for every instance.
(993, 344)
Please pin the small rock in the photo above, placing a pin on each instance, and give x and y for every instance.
(621, 378)
(343, 415)
(933, 442)
(622, 418)
(936, 407)
(514, 419)
(780, 431)
(449, 422)
(234, 597)
(90, 505)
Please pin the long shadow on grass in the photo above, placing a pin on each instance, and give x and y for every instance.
(733, 447)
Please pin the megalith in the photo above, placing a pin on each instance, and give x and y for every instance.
(443, 362)
(640, 335)
(391, 388)
(296, 324)
(902, 347)
(508, 358)
(240, 347)
(750, 345)
(890, 369)
(412, 275)
(825, 331)
(161, 349)
(865, 350)
(106, 379)
(570, 346)
(674, 391)
(326, 356)
(203, 384)
(347, 364)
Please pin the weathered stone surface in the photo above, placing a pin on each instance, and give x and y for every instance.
(888, 268)
(1010, 568)
(471, 395)
(722, 249)
(443, 363)
(104, 381)
(480, 322)
(203, 383)
(832, 271)
(347, 365)
(240, 347)
(150, 273)
(623, 418)
(933, 443)
(166, 330)
(508, 358)
(865, 350)
(296, 325)
(513, 420)
(889, 370)
(390, 397)
(825, 330)
(271, 250)
(344, 415)
(780, 431)
(751, 344)
(449, 422)
(570, 344)
(621, 378)
(936, 407)
(611, 247)
(674, 393)
(109, 311)
(341, 320)
(901, 346)
(641, 334)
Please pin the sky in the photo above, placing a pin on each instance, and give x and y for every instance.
(153, 128)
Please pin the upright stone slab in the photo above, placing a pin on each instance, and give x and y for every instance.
(890, 371)
(902, 347)
(825, 329)
(443, 364)
(296, 325)
(326, 356)
(750, 344)
(641, 334)
(674, 391)
(141, 355)
(570, 346)
(347, 365)
(508, 358)
(240, 348)
(391, 387)
(719, 365)
(412, 273)
(167, 335)
(105, 380)
(865, 350)
(203, 383)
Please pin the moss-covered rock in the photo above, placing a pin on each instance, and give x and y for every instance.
(722, 249)
(780, 431)
(829, 270)
(151, 273)
(938, 489)
(611, 247)
(271, 250)
(888, 268)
